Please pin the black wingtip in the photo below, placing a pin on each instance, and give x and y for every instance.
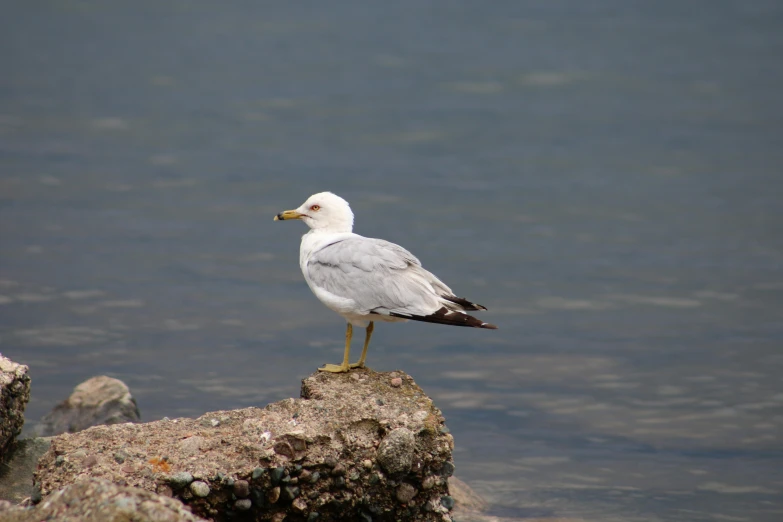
(464, 303)
(450, 317)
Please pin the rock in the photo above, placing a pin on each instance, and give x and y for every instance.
(406, 492)
(98, 500)
(464, 498)
(243, 504)
(16, 479)
(14, 394)
(328, 434)
(242, 488)
(180, 480)
(273, 495)
(96, 401)
(395, 452)
(299, 505)
(199, 488)
(448, 469)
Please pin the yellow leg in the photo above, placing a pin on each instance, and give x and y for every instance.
(344, 367)
(367, 336)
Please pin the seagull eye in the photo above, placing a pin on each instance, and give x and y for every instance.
(315, 208)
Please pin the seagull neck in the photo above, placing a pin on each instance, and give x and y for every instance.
(316, 239)
(333, 229)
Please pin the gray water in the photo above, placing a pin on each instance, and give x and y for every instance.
(604, 176)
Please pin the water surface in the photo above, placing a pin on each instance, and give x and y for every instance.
(603, 176)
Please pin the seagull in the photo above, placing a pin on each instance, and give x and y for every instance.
(367, 280)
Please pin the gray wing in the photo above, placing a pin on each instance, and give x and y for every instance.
(379, 276)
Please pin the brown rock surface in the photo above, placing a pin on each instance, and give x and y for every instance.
(14, 394)
(98, 400)
(97, 500)
(291, 459)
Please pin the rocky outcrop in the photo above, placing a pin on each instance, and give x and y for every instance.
(14, 394)
(98, 500)
(357, 446)
(96, 401)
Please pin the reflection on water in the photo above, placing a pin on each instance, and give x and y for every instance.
(602, 176)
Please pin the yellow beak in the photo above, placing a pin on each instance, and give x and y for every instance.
(288, 214)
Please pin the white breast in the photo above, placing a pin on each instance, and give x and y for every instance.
(312, 242)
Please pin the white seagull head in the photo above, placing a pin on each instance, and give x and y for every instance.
(323, 211)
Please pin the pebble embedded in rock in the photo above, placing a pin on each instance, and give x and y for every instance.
(299, 504)
(120, 457)
(243, 504)
(35, 496)
(312, 517)
(405, 493)
(396, 382)
(338, 482)
(276, 474)
(447, 501)
(284, 448)
(314, 477)
(338, 470)
(241, 488)
(257, 496)
(447, 470)
(289, 493)
(420, 416)
(273, 495)
(395, 452)
(367, 463)
(181, 479)
(257, 473)
(428, 483)
(199, 488)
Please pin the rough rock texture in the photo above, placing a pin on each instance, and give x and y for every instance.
(322, 457)
(16, 473)
(97, 500)
(98, 400)
(14, 394)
